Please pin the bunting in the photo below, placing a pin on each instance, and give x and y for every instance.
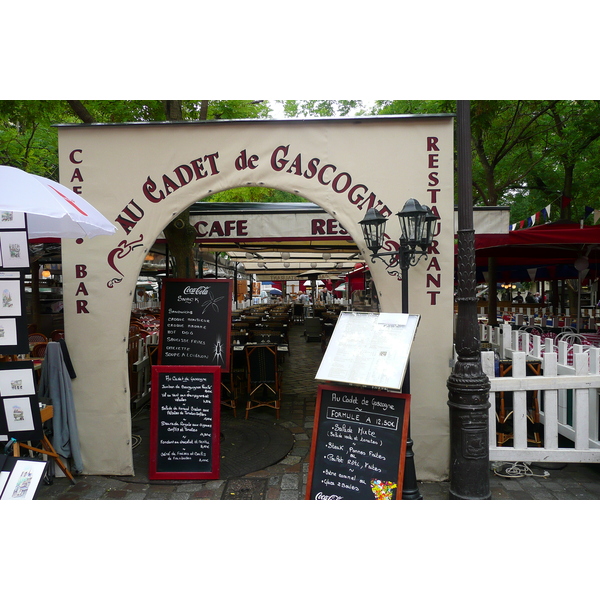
(543, 216)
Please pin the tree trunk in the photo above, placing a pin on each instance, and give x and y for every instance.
(203, 110)
(181, 236)
(173, 110)
(565, 208)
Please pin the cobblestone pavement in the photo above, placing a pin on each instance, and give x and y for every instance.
(286, 480)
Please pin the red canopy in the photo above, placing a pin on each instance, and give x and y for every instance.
(552, 249)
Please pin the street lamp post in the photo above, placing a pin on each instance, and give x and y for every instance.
(417, 227)
(468, 386)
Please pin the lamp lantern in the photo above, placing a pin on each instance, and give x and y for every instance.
(373, 227)
(412, 222)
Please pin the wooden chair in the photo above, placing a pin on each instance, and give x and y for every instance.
(232, 383)
(263, 376)
(34, 338)
(57, 334)
(39, 350)
(312, 329)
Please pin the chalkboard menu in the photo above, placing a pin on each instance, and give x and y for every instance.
(196, 322)
(359, 444)
(185, 422)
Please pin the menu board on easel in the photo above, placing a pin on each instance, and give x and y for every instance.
(195, 322)
(358, 448)
(185, 422)
(369, 349)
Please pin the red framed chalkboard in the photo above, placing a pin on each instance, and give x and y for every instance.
(195, 322)
(185, 418)
(358, 447)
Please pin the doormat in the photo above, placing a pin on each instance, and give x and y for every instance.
(245, 489)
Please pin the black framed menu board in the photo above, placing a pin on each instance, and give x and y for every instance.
(359, 444)
(195, 323)
(185, 416)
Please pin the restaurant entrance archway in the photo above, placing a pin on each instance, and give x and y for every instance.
(143, 175)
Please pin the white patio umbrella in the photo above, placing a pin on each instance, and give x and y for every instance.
(52, 209)
(311, 282)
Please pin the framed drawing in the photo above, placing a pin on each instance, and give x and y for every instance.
(12, 219)
(24, 479)
(16, 380)
(8, 333)
(14, 250)
(20, 416)
(11, 291)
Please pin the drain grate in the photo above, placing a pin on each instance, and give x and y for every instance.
(245, 489)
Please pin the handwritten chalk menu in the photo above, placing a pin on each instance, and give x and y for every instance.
(185, 422)
(359, 444)
(369, 349)
(195, 323)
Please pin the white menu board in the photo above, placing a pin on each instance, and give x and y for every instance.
(369, 349)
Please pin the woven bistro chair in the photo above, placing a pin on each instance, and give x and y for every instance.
(264, 381)
(34, 338)
(39, 350)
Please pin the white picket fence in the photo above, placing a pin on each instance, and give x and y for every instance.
(567, 393)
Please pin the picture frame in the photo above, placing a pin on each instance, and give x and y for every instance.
(8, 333)
(24, 479)
(12, 219)
(20, 416)
(14, 250)
(11, 296)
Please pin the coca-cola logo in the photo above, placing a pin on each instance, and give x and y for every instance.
(198, 291)
(322, 496)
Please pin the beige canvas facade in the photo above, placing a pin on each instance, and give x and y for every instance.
(141, 176)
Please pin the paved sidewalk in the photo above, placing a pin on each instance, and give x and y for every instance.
(286, 480)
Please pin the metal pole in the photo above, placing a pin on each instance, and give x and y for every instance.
(410, 488)
(468, 386)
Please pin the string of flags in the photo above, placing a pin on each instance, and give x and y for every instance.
(543, 216)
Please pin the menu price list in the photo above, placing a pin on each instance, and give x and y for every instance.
(359, 447)
(184, 341)
(185, 423)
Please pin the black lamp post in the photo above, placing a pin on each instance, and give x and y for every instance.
(468, 386)
(417, 226)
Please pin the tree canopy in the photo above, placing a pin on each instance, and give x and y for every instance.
(527, 154)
